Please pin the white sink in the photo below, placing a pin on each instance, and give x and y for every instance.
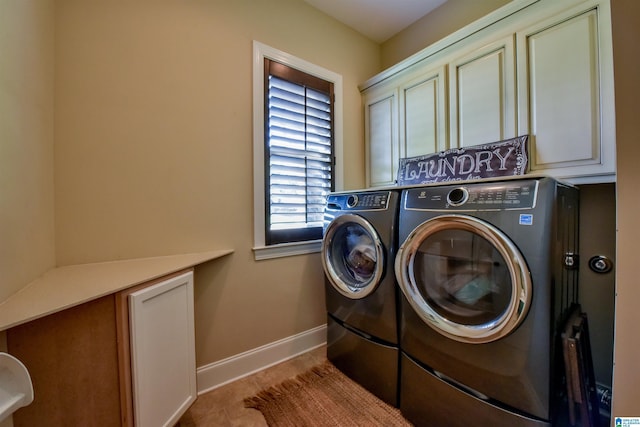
(16, 389)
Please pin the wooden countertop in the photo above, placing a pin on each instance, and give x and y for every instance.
(67, 286)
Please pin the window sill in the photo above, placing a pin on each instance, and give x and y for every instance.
(286, 249)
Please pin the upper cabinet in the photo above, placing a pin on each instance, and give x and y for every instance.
(404, 119)
(381, 136)
(566, 92)
(542, 68)
(423, 125)
(482, 93)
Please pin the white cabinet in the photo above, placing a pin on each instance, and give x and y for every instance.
(381, 136)
(163, 371)
(543, 70)
(566, 87)
(465, 98)
(403, 119)
(125, 359)
(423, 120)
(482, 95)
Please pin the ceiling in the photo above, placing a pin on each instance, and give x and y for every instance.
(378, 20)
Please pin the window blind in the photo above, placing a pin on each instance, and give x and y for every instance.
(299, 164)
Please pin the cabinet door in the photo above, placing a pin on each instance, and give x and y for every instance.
(423, 128)
(482, 95)
(566, 92)
(163, 351)
(381, 136)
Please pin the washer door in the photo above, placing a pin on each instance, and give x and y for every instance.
(464, 278)
(352, 256)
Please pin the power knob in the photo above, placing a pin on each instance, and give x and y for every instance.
(457, 196)
(352, 201)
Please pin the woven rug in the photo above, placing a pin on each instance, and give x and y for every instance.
(323, 396)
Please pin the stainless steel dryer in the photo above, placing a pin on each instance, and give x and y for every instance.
(487, 272)
(358, 249)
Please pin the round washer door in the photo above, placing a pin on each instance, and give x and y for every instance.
(464, 278)
(352, 256)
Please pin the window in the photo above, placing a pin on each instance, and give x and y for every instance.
(297, 138)
(298, 153)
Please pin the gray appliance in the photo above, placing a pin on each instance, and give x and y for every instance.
(487, 272)
(358, 249)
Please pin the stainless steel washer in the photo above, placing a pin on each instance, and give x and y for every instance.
(358, 250)
(486, 271)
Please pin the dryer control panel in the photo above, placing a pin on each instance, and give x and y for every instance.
(474, 197)
(359, 201)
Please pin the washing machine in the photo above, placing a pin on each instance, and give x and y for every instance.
(358, 249)
(487, 272)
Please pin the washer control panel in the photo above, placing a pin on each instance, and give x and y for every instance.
(469, 196)
(359, 201)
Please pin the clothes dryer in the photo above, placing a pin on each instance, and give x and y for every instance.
(358, 249)
(487, 272)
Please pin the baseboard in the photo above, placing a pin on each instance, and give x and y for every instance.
(235, 367)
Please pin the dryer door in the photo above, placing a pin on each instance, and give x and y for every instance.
(352, 256)
(464, 278)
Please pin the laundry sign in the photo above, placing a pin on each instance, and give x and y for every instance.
(502, 158)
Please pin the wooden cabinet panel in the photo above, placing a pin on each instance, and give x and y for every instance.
(381, 134)
(422, 114)
(73, 362)
(163, 362)
(567, 92)
(483, 95)
(561, 91)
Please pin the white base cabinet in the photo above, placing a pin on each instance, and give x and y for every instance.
(125, 359)
(163, 364)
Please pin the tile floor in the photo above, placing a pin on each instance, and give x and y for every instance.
(224, 406)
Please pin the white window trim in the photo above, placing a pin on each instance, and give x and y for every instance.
(260, 52)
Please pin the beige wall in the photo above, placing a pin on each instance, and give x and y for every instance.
(597, 291)
(26, 142)
(154, 148)
(626, 375)
(26, 145)
(446, 19)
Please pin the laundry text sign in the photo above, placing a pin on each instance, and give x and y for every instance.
(503, 158)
